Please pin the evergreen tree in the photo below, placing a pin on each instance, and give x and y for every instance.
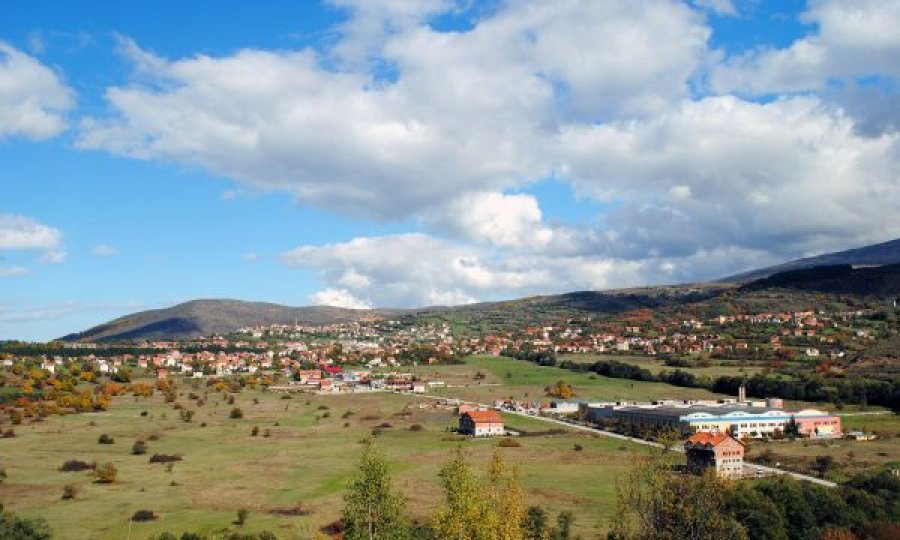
(372, 509)
(535, 524)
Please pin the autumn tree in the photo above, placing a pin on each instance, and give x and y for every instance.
(654, 503)
(561, 390)
(491, 508)
(372, 509)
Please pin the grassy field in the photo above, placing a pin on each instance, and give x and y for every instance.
(655, 365)
(850, 457)
(304, 459)
(510, 378)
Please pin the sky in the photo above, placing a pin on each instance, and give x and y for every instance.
(398, 153)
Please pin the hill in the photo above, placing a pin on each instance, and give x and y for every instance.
(207, 317)
(873, 255)
(835, 279)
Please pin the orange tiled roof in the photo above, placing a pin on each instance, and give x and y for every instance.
(485, 417)
(712, 439)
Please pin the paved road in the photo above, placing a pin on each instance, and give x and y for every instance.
(579, 427)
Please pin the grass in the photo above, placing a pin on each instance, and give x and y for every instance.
(656, 365)
(518, 379)
(305, 459)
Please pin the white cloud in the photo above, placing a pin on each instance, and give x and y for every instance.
(853, 39)
(337, 298)
(513, 221)
(104, 250)
(250, 256)
(790, 176)
(468, 111)
(23, 233)
(721, 7)
(11, 271)
(416, 270)
(33, 98)
(54, 256)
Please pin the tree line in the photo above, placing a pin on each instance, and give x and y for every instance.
(801, 387)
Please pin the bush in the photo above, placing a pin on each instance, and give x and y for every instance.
(139, 447)
(8, 434)
(105, 439)
(2, 475)
(144, 515)
(416, 427)
(69, 492)
(255, 431)
(236, 413)
(508, 443)
(164, 458)
(105, 473)
(577, 447)
(186, 415)
(74, 465)
(144, 413)
(242, 516)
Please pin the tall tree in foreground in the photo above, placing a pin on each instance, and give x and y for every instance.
(372, 509)
(654, 503)
(491, 508)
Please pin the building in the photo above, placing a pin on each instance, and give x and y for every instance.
(716, 451)
(739, 420)
(481, 424)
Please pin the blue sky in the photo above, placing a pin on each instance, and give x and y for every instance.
(409, 153)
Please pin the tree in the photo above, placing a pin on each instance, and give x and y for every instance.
(460, 515)
(654, 503)
(105, 473)
(535, 525)
(372, 509)
(564, 522)
(491, 508)
(561, 390)
(13, 527)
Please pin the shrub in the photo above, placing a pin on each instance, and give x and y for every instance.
(255, 431)
(105, 473)
(144, 413)
(347, 415)
(236, 413)
(2, 475)
(202, 424)
(186, 415)
(139, 447)
(322, 408)
(74, 465)
(164, 458)
(69, 492)
(577, 447)
(153, 437)
(286, 396)
(267, 433)
(384, 425)
(416, 427)
(9, 434)
(242, 516)
(256, 401)
(105, 439)
(508, 443)
(144, 515)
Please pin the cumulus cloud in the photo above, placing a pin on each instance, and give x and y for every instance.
(853, 39)
(11, 271)
(467, 111)
(416, 269)
(337, 298)
(33, 97)
(790, 176)
(104, 250)
(23, 233)
(513, 221)
(398, 120)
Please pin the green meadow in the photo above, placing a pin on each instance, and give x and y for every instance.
(305, 461)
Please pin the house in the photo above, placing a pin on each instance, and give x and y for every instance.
(162, 374)
(717, 451)
(419, 387)
(481, 424)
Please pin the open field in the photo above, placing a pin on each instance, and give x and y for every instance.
(304, 459)
(507, 377)
(850, 457)
(655, 365)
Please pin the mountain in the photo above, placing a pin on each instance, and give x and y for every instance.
(873, 255)
(835, 279)
(207, 317)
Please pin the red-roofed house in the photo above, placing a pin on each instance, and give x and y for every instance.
(715, 450)
(481, 424)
